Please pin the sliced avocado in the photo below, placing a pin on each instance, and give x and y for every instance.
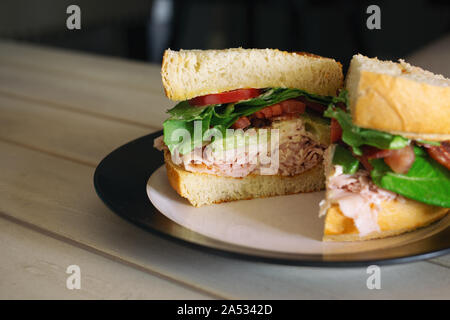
(318, 127)
(239, 140)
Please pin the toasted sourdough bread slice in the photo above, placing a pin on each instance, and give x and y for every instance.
(190, 73)
(399, 98)
(395, 216)
(204, 189)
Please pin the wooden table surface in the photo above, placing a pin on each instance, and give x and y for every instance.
(61, 112)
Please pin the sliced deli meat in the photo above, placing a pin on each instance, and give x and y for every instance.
(296, 151)
(358, 198)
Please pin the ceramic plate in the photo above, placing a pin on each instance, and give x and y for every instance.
(132, 182)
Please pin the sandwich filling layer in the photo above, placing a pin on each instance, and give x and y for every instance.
(297, 150)
(198, 139)
(370, 166)
(358, 198)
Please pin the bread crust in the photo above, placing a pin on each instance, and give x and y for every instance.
(395, 217)
(398, 98)
(204, 189)
(190, 73)
(401, 105)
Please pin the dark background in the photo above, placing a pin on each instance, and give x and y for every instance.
(142, 29)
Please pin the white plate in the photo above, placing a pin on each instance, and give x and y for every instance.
(287, 224)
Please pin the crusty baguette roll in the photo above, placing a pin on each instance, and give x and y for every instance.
(399, 98)
(395, 216)
(211, 189)
(190, 73)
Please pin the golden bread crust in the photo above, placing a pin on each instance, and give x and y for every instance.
(190, 73)
(204, 189)
(395, 217)
(402, 105)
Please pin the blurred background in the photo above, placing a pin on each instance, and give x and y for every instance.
(142, 29)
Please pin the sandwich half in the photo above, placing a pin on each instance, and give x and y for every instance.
(249, 122)
(388, 171)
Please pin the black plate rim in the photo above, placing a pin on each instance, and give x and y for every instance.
(258, 255)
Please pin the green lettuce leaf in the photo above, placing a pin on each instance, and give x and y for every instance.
(343, 157)
(184, 111)
(173, 129)
(427, 181)
(221, 117)
(355, 136)
(431, 143)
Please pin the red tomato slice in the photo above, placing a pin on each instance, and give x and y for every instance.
(336, 131)
(225, 97)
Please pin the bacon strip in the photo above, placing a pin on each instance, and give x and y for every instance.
(375, 153)
(290, 106)
(365, 162)
(440, 153)
(241, 123)
(313, 105)
(399, 160)
(276, 110)
(293, 106)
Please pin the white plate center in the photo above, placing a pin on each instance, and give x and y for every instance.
(288, 224)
